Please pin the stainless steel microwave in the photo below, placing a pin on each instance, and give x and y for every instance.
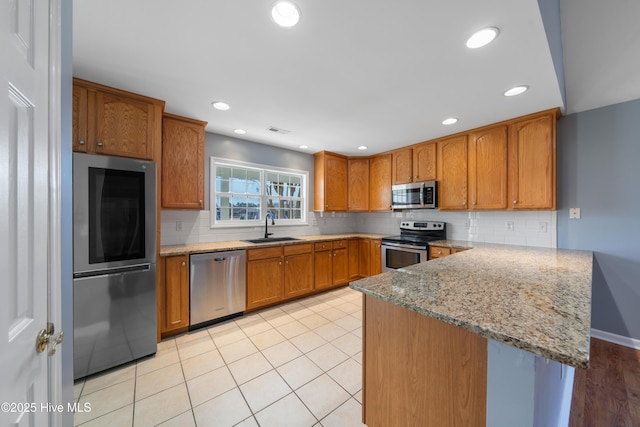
(416, 195)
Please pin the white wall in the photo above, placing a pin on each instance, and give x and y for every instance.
(474, 226)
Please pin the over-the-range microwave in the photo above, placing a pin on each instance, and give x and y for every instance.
(415, 195)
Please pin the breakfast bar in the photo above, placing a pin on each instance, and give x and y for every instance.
(487, 337)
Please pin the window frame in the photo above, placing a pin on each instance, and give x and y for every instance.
(263, 170)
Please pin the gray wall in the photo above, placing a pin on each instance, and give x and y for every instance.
(237, 149)
(599, 172)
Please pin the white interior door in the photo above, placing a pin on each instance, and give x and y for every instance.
(25, 210)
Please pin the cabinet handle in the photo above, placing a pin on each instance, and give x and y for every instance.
(474, 203)
(200, 202)
(279, 262)
(515, 201)
(81, 142)
(286, 262)
(184, 263)
(99, 144)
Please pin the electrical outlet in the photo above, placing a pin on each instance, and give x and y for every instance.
(574, 213)
(542, 227)
(509, 225)
(179, 225)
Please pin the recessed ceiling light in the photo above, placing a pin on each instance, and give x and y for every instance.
(285, 14)
(240, 131)
(450, 121)
(517, 90)
(482, 37)
(219, 105)
(362, 147)
(304, 147)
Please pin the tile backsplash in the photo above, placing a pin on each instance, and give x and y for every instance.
(528, 228)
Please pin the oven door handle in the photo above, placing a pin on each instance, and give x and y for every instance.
(405, 246)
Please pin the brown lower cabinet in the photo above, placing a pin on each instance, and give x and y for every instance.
(370, 261)
(331, 264)
(441, 251)
(174, 296)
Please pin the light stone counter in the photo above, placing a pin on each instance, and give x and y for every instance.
(535, 299)
(229, 245)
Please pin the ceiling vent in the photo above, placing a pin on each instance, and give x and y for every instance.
(278, 130)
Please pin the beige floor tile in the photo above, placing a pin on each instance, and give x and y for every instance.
(267, 339)
(195, 347)
(357, 332)
(349, 323)
(225, 410)
(249, 367)
(280, 320)
(159, 361)
(292, 329)
(202, 364)
(167, 344)
(161, 406)
(262, 391)
(332, 314)
(349, 307)
(223, 326)
(299, 372)
(291, 306)
(183, 420)
(256, 328)
(271, 313)
(349, 344)
(191, 336)
(358, 315)
(210, 385)
(330, 331)
(77, 389)
(349, 375)
(158, 380)
(348, 414)
(122, 417)
(314, 321)
(358, 396)
(327, 356)
(307, 341)
(111, 377)
(228, 336)
(237, 350)
(322, 396)
(281, 353)
(248, 319)
(249, 422)
(358, 357)
(300, 312)
(316, 305)
(287, 412)
(106, 400)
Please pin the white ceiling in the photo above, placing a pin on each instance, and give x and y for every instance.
(359, 72)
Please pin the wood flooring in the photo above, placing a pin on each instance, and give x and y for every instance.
(608, 393)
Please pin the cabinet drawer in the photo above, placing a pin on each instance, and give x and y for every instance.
(340, 244)
(321, 246)
(456, 250)
(263, 253)
(438, 252)
(304, 248)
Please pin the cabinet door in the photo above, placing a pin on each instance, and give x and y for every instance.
(532, 163)
(424, 162)
(176, 293)
(264, 282)
(365, 257)
(452, 170)
(79, 123)
(380, 181)
(488, 169)
(358, 184)
(354, 259)
(438, 252)
(322, 261)
(298, 274)
(376, 257)
(182, 163)
(124, 126)
(340, 267)
(336, 183)
(402, 166)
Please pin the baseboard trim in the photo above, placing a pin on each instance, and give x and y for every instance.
(616, 339)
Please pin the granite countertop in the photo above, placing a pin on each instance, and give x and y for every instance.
(535, 299)
(229, 245)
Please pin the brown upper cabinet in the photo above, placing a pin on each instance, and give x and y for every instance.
(424, 161)
(182, 162)
(115, 122)
(488, 168)
(452, 173)
(402, 166)
(532, 163)
(380, 183)
(358, 184)
(330, 183)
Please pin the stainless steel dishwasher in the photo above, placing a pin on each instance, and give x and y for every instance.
(217, 286)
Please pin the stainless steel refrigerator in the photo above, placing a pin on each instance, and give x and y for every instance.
(114, 261)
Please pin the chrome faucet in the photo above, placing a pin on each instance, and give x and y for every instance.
(266, 225)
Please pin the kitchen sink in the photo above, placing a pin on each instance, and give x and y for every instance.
(272, 240)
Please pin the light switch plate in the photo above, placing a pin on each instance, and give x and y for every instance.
(574, 213)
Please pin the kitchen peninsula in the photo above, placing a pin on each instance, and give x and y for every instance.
(489, 336)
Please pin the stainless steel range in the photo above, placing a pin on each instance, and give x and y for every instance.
(412, 245)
